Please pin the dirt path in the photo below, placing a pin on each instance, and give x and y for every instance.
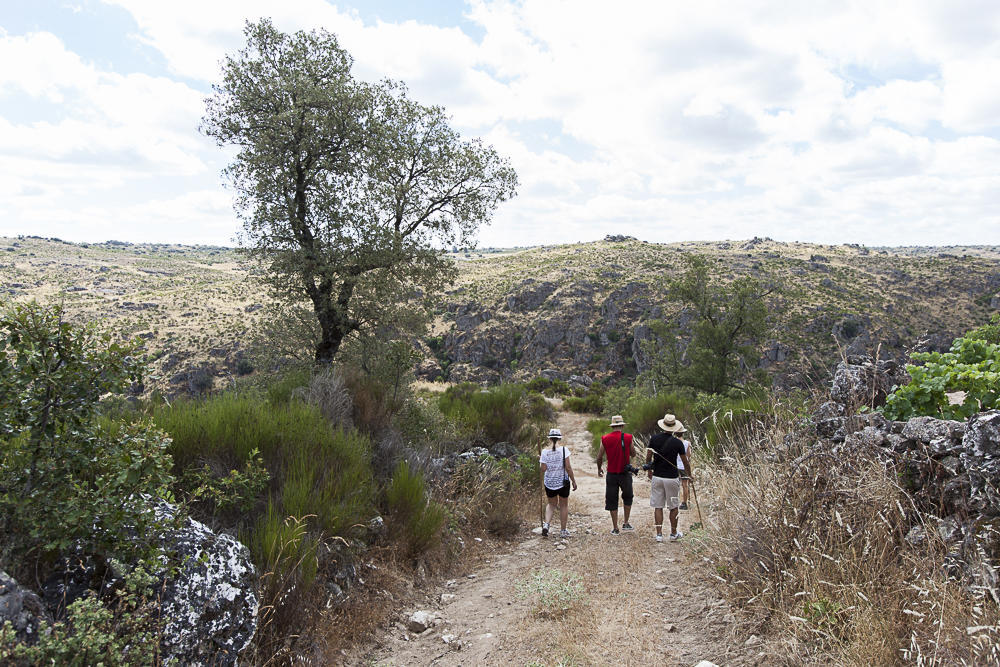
(643, 602)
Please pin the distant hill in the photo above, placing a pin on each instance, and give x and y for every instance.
(574, 309)
(583, 308)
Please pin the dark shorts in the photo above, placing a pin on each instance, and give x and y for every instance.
(562, 492)
(616, 481)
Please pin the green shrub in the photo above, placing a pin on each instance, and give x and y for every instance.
(506, 413)
(314, 469)
(590, 403)
(415, 520)
(66, 476)
(972, 365)
(489, 492)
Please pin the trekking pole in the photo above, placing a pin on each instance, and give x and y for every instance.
(694, 492)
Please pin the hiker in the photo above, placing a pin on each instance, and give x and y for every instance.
(617, 446)
(685, 482)
(557, 475)
(664, 451)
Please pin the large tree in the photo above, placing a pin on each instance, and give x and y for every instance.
(347, 190)
(719, 348)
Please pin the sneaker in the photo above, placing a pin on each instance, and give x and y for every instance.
(545, 530)
(627, 526)
(676, 536)
(684, 506)
(614, 531)
(563, 533)
(659, 538)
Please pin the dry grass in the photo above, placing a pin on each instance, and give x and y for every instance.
(813, 546)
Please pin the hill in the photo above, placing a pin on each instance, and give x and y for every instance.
(574, 309)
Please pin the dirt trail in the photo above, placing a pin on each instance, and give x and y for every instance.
(644, 602)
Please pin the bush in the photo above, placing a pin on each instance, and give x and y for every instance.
(416, 521)
(489, 492)
(314, 469)
(972, 366)
(590, 403)
(506, 413)
(66, 479)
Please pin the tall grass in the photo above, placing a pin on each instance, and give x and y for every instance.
(812, 541)
(506, 413)
(416, 520)
(314, 469)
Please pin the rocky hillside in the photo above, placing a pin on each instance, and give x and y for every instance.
(570, 309)
(584, 308)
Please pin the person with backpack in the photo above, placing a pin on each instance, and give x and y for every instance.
(664, 451)
(557, 476)
(617, 446)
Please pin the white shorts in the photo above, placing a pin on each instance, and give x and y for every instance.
(664, 492)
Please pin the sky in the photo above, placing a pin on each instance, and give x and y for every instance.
(872, 122)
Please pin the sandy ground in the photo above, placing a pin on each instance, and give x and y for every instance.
(643, 602)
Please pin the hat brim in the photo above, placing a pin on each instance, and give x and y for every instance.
(678, 427)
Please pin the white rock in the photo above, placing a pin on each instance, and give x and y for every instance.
(447, 597)
(706, 663)
(420, 621)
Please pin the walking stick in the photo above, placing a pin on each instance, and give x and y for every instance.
(541, 507)
(694, 492)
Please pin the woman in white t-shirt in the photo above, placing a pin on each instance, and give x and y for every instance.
(685, 482)
(557, 476)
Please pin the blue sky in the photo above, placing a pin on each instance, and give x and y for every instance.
(853, 122)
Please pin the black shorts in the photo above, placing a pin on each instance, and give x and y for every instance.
(616, 481)
(562, 492)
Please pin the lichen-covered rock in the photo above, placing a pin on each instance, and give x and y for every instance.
(981, 457)
(862, 381)
(208, 601)
(22, 608)
(927, 429)
(504, 450)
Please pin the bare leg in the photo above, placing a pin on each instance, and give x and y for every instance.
(614, 519)
(684, 491)
(673, 522)
(658, 517)
(549, 509)
(563, 512)
(628, 510)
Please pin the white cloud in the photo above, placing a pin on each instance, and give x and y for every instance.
(854, 121)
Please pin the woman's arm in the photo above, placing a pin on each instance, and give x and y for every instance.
(569, 471)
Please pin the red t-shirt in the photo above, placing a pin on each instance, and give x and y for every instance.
(613, 449)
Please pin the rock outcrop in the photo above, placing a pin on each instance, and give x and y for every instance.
(22, 608)
(208, 601)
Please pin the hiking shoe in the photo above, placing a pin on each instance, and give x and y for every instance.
(684, 506)
(545, 530)
(627, 526)
(659, 538)
(614, 531)
(676, 536)
(563, 533)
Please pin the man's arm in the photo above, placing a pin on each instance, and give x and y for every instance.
(600, 461)
(649, 457)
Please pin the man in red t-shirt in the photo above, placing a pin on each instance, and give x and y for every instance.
(617, 446)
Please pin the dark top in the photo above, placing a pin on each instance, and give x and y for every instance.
(666, 448)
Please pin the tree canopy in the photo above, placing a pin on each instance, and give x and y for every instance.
(719, 347)
(347, 190)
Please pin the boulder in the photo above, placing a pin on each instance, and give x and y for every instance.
(504, 450)
(22, 608)
(980, 455)
(927, 429)
(208, 597)
(861, 381)
(474, 453)
(420, 621)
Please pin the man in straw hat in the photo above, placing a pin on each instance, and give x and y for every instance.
(617, 446)
(665, 449)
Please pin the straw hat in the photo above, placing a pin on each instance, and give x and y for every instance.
(617, 421)
(555, 433)
(671, 424)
